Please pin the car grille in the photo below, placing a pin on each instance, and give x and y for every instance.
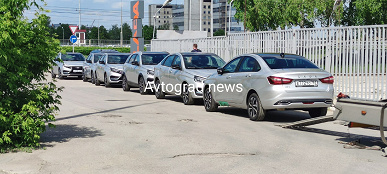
(76, 68)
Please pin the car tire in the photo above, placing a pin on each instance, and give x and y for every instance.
(106, 82)
(186, 95)
(84, 78)
(254, 108)
(96, 81)
(142, 86)
(60, 76)
(53, 74)
(158, 91)
(317, 112)
(92, 78)
(125, 85)
(209, 102)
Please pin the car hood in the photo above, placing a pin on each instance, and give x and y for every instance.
(118, 66)
(73, 63)
(201, 72)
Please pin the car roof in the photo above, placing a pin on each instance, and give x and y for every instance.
(196, 53)
(274, 54)
(72, 53)
(118, 53)
(150, 52)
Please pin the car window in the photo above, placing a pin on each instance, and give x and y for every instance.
(249, 64)
(289, 61)
(205, 61)
(89, 57)
(152, 59)
(130, 59)
(168, 60)
(97, 57)
(73, 57)
(177, 61)
(231, 66)
(117, 59)
(137, 59)
(102, 58)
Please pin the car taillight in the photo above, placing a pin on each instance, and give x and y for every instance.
(328, 80)
(278, 80)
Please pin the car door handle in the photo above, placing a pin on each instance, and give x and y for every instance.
(170, 71)
(228, 77)
(248, 75)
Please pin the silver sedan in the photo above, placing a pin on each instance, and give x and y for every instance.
(109, 68)
(69, 64)
(264, 82)
(183, 74)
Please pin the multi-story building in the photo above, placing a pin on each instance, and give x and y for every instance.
(163, 17)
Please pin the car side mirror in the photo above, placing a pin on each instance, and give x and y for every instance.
(220, 71)
(176, 67)
(101, 62)
(88, 61)
(135, 63)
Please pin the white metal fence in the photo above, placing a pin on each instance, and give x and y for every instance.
(356, 56)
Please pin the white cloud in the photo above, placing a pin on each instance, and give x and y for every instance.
(100, 1)
(117, 5)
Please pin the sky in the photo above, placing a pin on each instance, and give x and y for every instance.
(101, 12)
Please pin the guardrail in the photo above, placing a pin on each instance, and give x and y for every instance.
(356, 56)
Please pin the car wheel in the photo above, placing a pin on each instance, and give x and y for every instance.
(209, 102)
(60, 76)
(317, 112)
(96, 81)
(142, 86)
(159, 92)
(92, 78)
(254, 108)
(53, 74)
(125, 85)
(106, 81)
(84, 78)
(186, 95)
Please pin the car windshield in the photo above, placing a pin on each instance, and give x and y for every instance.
(204, 61)
(73, 57)
(97, 56)
(152, 59)
(289, 61)
(117, 59)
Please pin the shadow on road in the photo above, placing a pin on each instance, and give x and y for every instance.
(64, 133)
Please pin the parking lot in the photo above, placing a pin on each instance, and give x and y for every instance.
(107, 130)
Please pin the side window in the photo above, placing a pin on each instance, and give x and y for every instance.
(88, 58)
(168, 60)
(137, 59)
(102, 58)
(231, 66)
(130, 59)
(249, 64)
(177, 61)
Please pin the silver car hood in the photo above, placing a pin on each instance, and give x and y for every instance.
(118, 66)
(201, 72)
(73, 63)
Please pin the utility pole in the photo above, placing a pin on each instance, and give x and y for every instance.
(244, 23)
(212, 18)
(79, 25)
(121, 37)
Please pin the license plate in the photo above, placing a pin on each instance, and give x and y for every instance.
(306, 83)
(77, 70)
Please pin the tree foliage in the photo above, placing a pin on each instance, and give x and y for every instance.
(219, 32)
(365, 12)
(27, 50)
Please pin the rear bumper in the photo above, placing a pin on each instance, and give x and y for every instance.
(302, 103)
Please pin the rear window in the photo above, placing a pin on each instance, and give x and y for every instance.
(288, 62)
(73, 57)
(117, 59)
(152, 59)
(202, 61)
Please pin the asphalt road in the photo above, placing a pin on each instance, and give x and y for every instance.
(106, 130)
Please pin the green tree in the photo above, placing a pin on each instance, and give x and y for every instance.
(365, 12)
(147, 32)
(126, 31)
(103, 33)
(164, 27)
(175, 27)
(219, 32)
(115, 33)
(27, 51)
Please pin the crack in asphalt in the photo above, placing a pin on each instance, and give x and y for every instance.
(215, 154)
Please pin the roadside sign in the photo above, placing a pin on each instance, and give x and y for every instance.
(73, 39)
(73, 28)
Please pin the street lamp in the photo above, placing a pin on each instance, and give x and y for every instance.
(154, 24)
(62, 34)
(229, 18)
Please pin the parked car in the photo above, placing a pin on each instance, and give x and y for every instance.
(270, 82)
(139, 70)
(89, 65)
(183, 74)
(69, 64)
(109, 68)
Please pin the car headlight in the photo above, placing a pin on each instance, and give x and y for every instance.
(66, 66)
(116, 70)
(199, 79)
(150, 72)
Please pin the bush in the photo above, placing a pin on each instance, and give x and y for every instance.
(86, 50)
(27, 51)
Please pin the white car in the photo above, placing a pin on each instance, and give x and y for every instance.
(69, 64)
(109, 68)
(90, 65)
(139, 70)
(183, 74)
(263, 82)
